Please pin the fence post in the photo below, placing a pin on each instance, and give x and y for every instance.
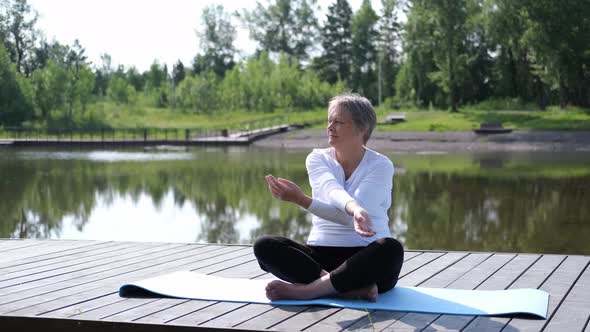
(186, 134)
(145, 134)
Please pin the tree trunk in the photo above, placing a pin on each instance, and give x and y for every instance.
(562, 93)
(513, 73)
(541, 92)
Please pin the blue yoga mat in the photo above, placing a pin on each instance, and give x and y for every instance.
(192, 285)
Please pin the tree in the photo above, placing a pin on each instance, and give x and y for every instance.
(216, 41)
(135, 78)
(389, 33)
(20, 33)
(14, 106)
(178, 73)
(449, 18)
(336, 37)
(559, 35)
(120, 91)
(80, 79)
(364, 53)
(287, 26)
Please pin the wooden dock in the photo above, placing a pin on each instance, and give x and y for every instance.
(241, 137)
(60, 285)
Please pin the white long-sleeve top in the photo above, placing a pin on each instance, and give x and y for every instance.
(369, 185)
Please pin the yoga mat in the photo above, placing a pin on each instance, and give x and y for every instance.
(192, 285)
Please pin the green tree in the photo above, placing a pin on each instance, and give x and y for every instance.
(336, 37)
(506, 23)
(103, 75)
(135, 78)
(413, 81)
(449, 17)
(559, 35)
(120, 91)
(216, 40)
(14, 106)
(178, 73)
(387, 45)
(80, 82)
(364, 52)
(199, 93)
(20, 33)
(287, 26)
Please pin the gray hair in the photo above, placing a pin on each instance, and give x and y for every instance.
(363, 113)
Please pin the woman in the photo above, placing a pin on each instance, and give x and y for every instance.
(349, 251)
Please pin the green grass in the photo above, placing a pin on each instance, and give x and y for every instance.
(468, 119)
(111, 115)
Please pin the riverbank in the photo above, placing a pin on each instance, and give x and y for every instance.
(449, 141)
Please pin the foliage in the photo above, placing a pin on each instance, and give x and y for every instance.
(494, 54)
(284, 26)
(336, 36)
(217, 42)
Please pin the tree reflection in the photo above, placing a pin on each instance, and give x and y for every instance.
(497, 209)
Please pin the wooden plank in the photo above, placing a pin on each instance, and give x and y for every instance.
(58, 280)
(412, 261)
(55, 256)
(546, 267)
(472, 279)
(523, 267)
(309, 318)
(100, 257)
(87, 282)
(206, 313)
(346, 317)
(573, 314)
(275, 317)
(447, 277)
(163, 310)
(224, 257)
(251, 311)
(558, 286)
(26, 249)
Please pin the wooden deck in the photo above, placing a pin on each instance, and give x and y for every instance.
(73, 285)
(244, 137)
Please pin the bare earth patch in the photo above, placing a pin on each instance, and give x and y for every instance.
(407, 141)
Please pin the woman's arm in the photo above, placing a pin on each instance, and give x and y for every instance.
(289, 191)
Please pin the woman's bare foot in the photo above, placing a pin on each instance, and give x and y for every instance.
(280, 290)
(368, 293)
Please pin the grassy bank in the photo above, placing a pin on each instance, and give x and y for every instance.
(110, 115)
(467, 118)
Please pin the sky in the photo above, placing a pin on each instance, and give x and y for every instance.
(137, 32)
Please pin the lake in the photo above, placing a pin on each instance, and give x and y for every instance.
(501, 202)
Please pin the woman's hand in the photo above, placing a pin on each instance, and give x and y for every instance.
(362, 221)
(288, 191)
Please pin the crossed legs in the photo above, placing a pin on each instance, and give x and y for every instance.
(313, 271)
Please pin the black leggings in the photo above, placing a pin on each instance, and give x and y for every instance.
(350, 268)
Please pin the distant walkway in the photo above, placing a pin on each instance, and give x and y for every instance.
(142, 137)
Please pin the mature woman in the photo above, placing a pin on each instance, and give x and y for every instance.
(349, 251)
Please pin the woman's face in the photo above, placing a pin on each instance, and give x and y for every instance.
(341, 129)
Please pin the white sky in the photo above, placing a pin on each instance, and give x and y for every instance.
(136, 32)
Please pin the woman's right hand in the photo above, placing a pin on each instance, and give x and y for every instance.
(286, 190)
(362, 221)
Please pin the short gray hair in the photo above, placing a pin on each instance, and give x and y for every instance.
(363, 113)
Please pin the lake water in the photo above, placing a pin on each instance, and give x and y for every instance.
(517, 202)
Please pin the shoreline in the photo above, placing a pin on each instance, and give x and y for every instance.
(456, 141)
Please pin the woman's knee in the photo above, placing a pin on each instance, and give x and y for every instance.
(391, 248)
(264, 244)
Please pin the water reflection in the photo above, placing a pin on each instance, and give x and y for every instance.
(527, 202)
